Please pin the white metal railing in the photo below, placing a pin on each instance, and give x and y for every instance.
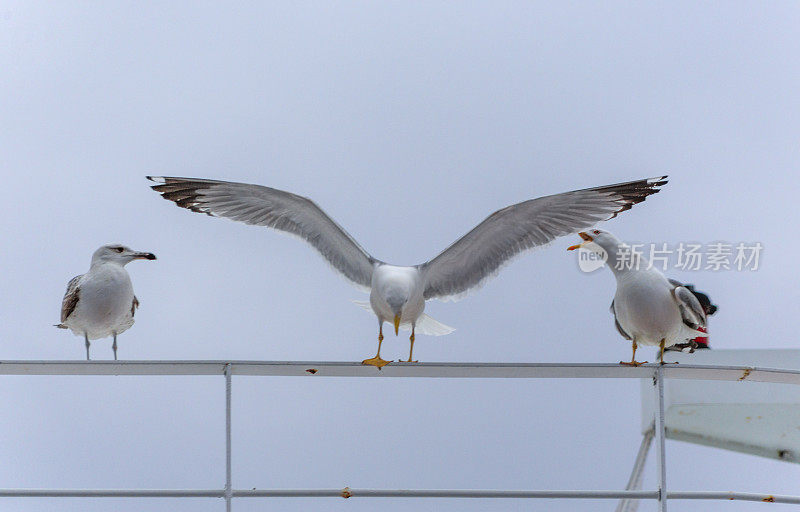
(228, 369)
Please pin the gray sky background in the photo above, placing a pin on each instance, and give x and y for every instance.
(408, 122)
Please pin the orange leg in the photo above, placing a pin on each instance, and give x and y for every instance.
(633, 361)
(411, 352)
(377, 361)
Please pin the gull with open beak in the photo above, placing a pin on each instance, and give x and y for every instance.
(101, 303)
(397, 293)
(648, 308)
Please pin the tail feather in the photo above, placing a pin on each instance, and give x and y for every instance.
(363, 304)
(431, 327)
(425, 324)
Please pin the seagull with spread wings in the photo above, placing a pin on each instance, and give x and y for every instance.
(101, 303)
(398, 293)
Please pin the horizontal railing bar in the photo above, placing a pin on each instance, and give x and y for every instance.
(424, 370)
(392, 493)
(319, 493)
(439, 493)
(112, 493)
(112, 368)
(740, 496)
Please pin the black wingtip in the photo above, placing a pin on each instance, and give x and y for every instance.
(184, 192)
(634, 192)
(659, 181)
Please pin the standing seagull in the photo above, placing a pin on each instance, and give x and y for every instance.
(101, 303)
(398, 294)
(648, 308)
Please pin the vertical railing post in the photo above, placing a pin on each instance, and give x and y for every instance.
(228, 488)
(658, 382)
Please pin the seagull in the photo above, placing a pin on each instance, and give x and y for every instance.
(648, 308)
(101, 303)
(398, 293)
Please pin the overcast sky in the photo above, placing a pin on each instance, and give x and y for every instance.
(408, 122)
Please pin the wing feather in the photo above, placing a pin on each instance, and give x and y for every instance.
(616, 323)
(692, 312)
(479, 254)
(283, 211)
(71, 298)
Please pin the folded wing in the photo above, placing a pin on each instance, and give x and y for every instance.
(480, 253)
(620, 330)
(284, 211)
(692, 312)
(70, 301)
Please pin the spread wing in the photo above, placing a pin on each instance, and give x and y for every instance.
(284, 211)
(71, 298)
(479, 254)
(691, 311)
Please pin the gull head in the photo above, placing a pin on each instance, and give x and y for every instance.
(597, 236)
(396, 298)
(119, 254)
(396, 294)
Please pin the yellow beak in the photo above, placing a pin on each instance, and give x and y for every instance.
(396, 324)
(586, 239)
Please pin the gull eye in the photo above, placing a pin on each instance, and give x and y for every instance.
(596, 231)
(118, 249)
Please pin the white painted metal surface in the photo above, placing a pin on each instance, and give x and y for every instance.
(761, 418)
(657, 380)
(317, 369)
(228, 439)
(661, 451)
